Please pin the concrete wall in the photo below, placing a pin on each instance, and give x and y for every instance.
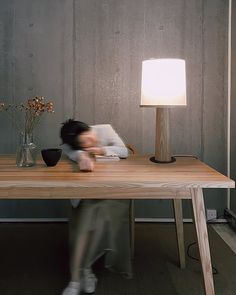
(86, 56)
(36, 58)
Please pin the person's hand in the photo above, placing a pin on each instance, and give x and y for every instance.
(85, 162)
(95, 150)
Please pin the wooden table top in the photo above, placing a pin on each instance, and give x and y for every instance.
(135, 175)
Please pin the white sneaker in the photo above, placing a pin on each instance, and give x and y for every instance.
(89, 281)
(73, 288)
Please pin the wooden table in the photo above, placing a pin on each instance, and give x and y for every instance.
(133, 178)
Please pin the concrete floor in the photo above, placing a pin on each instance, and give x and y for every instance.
(227, 234)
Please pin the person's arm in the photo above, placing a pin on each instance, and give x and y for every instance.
(110, 142)
(116, 145)
(71, 154)
(83, 159)
(121, 152)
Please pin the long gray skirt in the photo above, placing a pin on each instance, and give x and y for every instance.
(106, 223)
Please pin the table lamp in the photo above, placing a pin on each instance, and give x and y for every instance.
(163, 86)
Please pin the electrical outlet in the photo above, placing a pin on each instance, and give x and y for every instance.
(211, 214)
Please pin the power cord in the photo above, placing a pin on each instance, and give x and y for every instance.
(214, 269)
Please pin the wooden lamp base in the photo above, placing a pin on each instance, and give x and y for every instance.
(162, 145)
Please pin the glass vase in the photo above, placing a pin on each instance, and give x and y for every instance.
(26, 150)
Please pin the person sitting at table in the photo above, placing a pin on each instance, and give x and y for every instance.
(97, 227)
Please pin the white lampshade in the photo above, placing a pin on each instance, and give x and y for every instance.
(163, 82)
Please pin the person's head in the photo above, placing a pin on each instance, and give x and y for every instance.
(77, 134)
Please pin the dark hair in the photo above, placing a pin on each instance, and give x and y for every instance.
(70, 131)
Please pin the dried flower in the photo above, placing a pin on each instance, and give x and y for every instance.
(27, 115)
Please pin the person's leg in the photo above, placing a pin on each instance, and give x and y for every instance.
(111, 235)
(82, 278)
(94, 251)
(82, 231)
(119, 260)
(79, 253)
(78, 239)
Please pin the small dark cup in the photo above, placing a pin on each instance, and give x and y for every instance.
(51, 156)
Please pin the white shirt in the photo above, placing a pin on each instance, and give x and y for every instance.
(108, 139)
(112, 144)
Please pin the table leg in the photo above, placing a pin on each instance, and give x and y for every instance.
(179, 230)
(203, 242)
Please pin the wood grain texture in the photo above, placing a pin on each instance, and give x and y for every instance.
(179, 231)
(162, 146)
(132, 178)
(203, 242)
